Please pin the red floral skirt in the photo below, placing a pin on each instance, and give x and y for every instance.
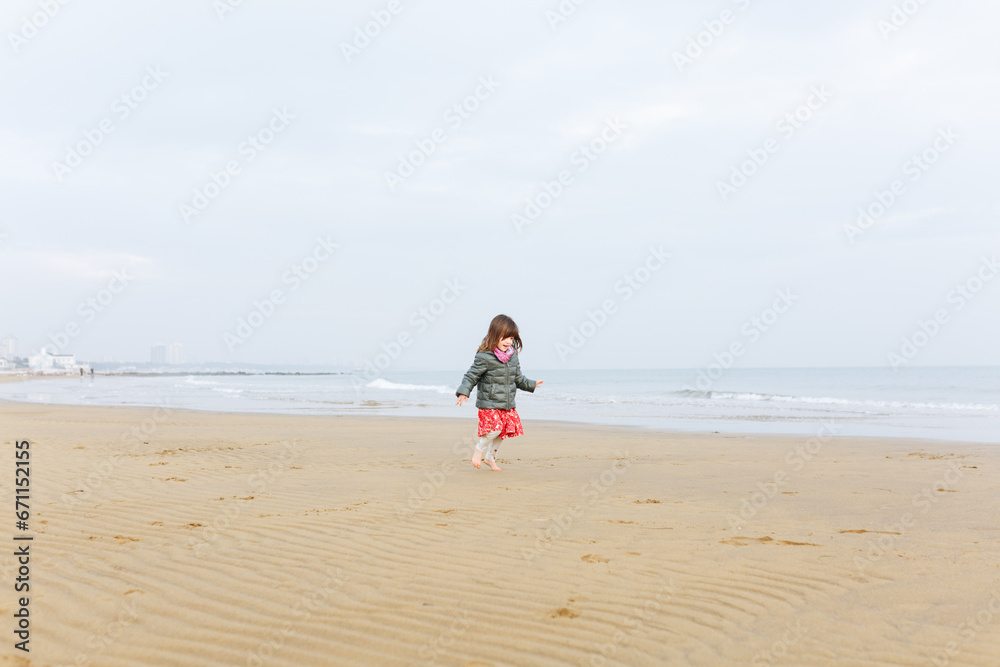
(506, 421)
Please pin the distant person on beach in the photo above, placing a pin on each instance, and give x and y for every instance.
(496, 375)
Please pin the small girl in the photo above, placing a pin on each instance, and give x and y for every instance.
(496, 374)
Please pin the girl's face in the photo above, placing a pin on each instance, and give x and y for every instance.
(506, 343)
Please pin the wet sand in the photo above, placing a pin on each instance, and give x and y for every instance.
(169, 537)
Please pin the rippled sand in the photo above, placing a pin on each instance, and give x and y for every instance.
(166, 537)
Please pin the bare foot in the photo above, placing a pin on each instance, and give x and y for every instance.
(477, 459)
(493, 465)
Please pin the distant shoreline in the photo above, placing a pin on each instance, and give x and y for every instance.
(28, 375)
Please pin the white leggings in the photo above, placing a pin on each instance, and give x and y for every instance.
(488, 445)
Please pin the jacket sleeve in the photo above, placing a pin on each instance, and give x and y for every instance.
(472, 376)
(523, 383)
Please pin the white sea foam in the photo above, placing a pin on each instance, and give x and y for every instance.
(690, 397)
(190, 380)
(826, 400)
(379, 383)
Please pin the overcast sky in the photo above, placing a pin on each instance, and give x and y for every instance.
(309, 118)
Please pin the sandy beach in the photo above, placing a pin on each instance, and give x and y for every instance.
(168, 537)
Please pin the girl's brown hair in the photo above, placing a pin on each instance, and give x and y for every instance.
(501, 327)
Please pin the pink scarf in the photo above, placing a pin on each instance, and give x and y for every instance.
(504, 357)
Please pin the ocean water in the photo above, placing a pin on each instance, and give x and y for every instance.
(937, 403)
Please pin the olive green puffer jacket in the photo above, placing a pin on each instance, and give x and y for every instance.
(495, 382)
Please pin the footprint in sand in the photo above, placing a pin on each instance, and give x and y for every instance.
(647, 500)
(593, 558)
(563, 612)
(740, 541)
(121, 539)
(933, 457)
(860, 531)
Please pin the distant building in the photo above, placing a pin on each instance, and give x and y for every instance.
(175, 353)
(158, 353)
(44, 361)
(162, 353)
(8, 348)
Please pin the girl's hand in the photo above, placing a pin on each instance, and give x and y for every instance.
(461, 400)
